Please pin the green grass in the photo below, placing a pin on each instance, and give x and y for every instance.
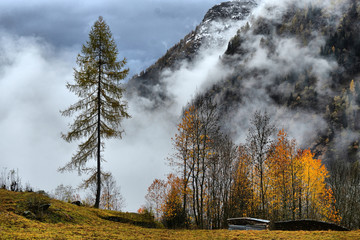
(67, 221)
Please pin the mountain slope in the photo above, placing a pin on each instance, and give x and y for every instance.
(217, 20)
(309, 61)
(293, 59)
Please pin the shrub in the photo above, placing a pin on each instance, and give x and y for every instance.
(34, 206)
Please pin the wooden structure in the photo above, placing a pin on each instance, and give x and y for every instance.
(246, 223)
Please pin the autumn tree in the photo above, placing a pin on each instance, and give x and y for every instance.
(243, 202)
(173, 215)
(184, 144)
(265, 178)
(205, 128)
(205, 159)
(258, 144)
(219, 180)
(100, 107)
(186, 160)
(194, 147)
(155, 197)
(164, 198)
(297, 183)
(318, 199)
(283, 177)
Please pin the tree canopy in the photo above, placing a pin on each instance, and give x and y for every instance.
(100, 109)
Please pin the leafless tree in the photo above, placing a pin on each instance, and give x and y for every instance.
(258, 144)
(65, 193)
(345, 183)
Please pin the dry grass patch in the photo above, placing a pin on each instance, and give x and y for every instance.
(89, 223)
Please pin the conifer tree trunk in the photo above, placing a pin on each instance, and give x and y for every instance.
(98, 178)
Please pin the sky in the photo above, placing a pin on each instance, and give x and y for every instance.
(39, 42)
(143, 30)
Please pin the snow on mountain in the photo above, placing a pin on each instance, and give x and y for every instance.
(219, 25)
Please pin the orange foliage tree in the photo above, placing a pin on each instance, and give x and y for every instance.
(282, 172)
(173, 215)
(243, 200)
(194, 145)
(297, 187)
(264, 178)
(317, 197)
(165, 200)
(185, 146)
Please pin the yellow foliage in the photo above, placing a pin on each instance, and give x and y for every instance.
(89, 225)
(297, 184)
(352, 86)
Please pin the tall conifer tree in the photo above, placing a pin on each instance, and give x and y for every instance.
(100, 109)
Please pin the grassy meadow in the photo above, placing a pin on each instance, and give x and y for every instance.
(67, 221)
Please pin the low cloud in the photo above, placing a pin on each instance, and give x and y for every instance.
(32, 90)
(286, 55)
(290, 56)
